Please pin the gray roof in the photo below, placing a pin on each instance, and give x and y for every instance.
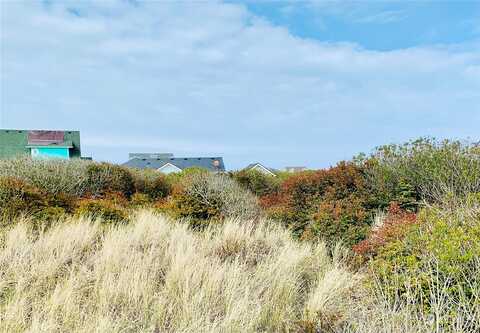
(180, 162)
(251, 165)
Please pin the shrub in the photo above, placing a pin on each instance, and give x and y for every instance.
(207, 196)
(158, 188)
(18, 198)
(331, 204)
(103, 210)
(51, 176)
(140, 200)
(257, 182)
(423, 169)
(437, 253)
(107, 178)
(392, 227)
(344, 220)
(45, 216)
(151, 183)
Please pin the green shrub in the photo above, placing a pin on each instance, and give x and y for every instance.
(440, 252)
(18, 198)
(47, 215)
(106, 178)
(151, 183)
(423, 169)
(140, 200)
(257, 182)
(157, 188)
(106, 211)
(50, 176)
(205, 196)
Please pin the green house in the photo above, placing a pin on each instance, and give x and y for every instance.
(40, 144)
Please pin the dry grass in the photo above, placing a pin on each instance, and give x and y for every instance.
(157, 276)
(379, 312)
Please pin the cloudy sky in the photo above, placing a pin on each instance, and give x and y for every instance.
(282, 83)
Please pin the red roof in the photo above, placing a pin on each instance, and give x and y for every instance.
(45, 137)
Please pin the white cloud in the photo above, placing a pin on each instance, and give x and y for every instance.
(211, 78)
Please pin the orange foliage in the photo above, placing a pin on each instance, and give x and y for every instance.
(396, 224)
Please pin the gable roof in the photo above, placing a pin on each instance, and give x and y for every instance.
(254, 165)
(180, 162)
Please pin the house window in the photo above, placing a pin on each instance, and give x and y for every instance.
(51, 153)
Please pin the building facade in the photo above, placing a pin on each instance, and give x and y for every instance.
(39, 144)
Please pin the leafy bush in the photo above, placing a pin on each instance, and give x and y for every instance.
(18, 198)
(423, 169)
(158, 188)
(390, 228)
(344, 220)
(331, 204)
(206, 196)
(257, 182)
(139, 200)
(103, 210)
(45, 216)
(437, 253)
(107, 178)
(151, 183)
(51, 176)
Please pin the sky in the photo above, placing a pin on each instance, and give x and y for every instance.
(277, 82)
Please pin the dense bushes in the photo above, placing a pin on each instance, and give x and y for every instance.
(439, 253)
(333, 204)
(204, 196)
(103, 210)
(106, 178)
(423, 169)
(51, 176)
(151, 183)
(17, 198)
(387, 228)
(411, 212)
(257, 182)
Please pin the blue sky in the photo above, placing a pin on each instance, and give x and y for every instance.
(282, 83)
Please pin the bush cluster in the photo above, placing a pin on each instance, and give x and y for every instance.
(439, 253)
(103, 210)
(257, 182)
(423, 169)
(391, 227)
(333, 204)
(207, 196)
(18, 198)
(47, 190)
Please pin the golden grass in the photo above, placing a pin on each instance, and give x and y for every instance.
(157, 276)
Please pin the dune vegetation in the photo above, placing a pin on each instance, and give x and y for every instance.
(388, 242)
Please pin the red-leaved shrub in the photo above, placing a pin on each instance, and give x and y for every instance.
(394, 227)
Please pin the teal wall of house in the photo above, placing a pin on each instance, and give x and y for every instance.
(55, 153)
(14, 143)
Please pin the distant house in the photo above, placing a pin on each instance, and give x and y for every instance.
(293, 169)
(261, 168)
(40, 144)
(166, 163)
